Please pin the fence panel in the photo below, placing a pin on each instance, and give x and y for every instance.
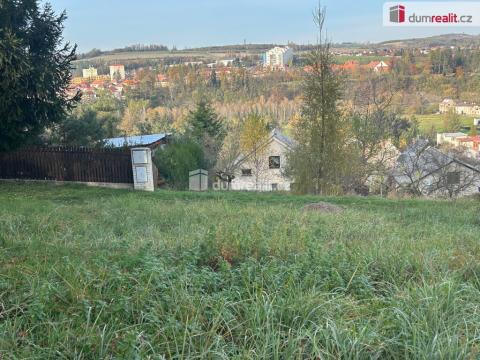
(67, 164)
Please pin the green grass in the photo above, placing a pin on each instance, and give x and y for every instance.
(91, 273)
(427, 121)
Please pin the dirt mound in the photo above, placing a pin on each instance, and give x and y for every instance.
(323, 207)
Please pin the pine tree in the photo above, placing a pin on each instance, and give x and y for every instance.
(34, 71)
(206, 128)
(204, 121)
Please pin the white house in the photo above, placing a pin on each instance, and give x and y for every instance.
(278, 57)
(449, 138)
(264, 170)
(461, 108)
(424, 170)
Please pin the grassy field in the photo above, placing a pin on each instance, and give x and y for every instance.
(194, 55)
(99, 274)
(427, 121)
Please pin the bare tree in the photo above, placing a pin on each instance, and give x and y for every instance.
(424, 170)
(229, 155)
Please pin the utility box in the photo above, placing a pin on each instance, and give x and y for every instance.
(198, 180)
(142, 168)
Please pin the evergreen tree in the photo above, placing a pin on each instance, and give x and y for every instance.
(213, 79)
(206, 128)
(34, 71)
(204, 121)
(82, 128)
(317, 160)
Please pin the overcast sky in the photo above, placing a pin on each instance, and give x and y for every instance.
(108, 24)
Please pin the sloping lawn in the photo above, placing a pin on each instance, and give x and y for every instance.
(437, 120)
(91, 273)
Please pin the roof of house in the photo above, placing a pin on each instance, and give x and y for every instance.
(421, 159)
(475, 138)
(275, 134)
(453, 135)
(448, 101)
(141, 140)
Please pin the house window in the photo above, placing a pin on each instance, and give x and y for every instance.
(274, 162)
(453, 178)
(246, 172)
(274, 187)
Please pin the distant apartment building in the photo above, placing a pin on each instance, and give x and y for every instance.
(278, 57)
(91, 72)
(461, 108)
(117, 72)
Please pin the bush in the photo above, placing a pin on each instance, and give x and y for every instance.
(177, 159)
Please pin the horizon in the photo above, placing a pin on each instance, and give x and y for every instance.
(284, 44)
(189, 24)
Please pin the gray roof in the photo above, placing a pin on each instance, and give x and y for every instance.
(421, 159)
(283, 138)
(141, 140)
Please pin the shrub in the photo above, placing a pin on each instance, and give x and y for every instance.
(177, 159)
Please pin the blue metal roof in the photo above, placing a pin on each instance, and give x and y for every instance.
(141, 140)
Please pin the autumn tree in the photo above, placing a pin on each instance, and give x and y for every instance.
(134, 117)
(35, 66)
(253, 138)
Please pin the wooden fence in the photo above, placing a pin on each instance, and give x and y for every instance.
(67, 164)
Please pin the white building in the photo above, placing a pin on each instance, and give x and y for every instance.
(117, 71)
(91, 72)
(461, 108)
(278, 57)
(267, 172)
(449, 138)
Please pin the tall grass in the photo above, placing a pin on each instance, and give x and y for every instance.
(99, 274)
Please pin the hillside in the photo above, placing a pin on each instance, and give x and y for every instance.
(462, 40)
(220, 51)
(95, 273)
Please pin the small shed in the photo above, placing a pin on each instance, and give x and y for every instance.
(198, 180)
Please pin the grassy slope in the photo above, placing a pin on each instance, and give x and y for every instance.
(86, 273)
(426, 121)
